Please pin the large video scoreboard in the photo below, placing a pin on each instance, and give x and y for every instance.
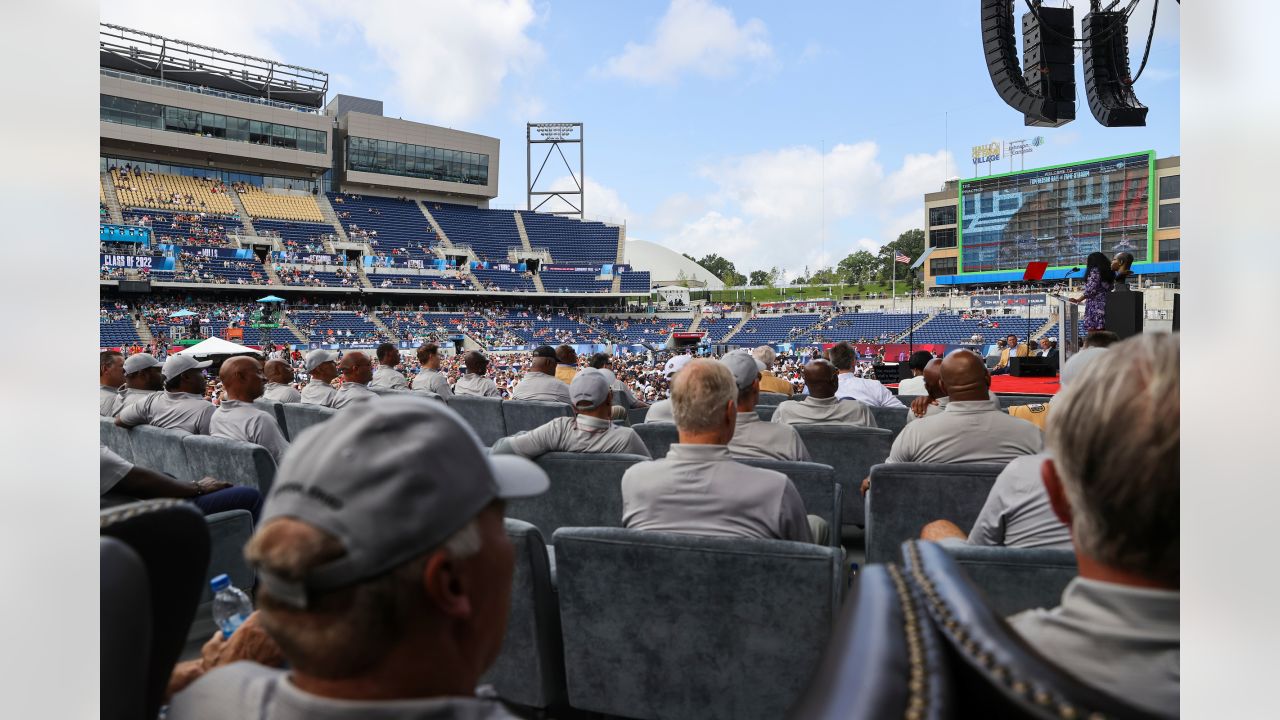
(1057, 214)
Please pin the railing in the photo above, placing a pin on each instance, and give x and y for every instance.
(207, 91)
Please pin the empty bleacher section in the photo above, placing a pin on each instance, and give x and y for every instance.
(392, 279)
(116, 331)
(184, 228)
(636, 282)
(770, 329)
(717, 328)
(506, 280)
(391, 226)
(489, 232)
(279, 206)
(570, 241)
(1055, 332)
(859, 326)
(180, 193)
(296, 236)
(950, 328)
(573, 282)
(329, 326)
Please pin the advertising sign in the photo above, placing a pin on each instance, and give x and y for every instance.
(985, 301)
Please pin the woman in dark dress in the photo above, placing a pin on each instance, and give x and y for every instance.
(1099, 279)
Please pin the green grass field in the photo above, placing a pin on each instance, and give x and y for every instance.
(812, 292)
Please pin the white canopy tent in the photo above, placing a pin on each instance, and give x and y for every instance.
(216, 346)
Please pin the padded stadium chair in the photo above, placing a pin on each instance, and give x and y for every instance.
(300, 416)
(530, 669)
(483, 414)
(661, 625)
(160, 449)
(892, 419)
(235, 461)
(586, 491)
(658, 437)
(1016, 579)
(994, 672)
(229, 532)
(904, 497)
(885, 659)
(153, 556)
(115, 437)
(522, 415)
(817, 487)
(851, 451)
(772, 398)
(635, 416)
(765, 412)
(277, 411)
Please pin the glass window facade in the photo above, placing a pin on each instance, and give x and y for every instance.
(126, 111)
(1170, 187)
(1170, 215)
(1171, 250)
(320, 184)
(942, 238)
(942, 266)
(945, 215)
(416, 161)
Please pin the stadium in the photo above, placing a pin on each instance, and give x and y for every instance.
(412, 454)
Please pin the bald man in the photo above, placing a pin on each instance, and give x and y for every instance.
(475, 381)
(279, 378)
(237, 418)
(357, 371)
(822, 407)
(970, 428)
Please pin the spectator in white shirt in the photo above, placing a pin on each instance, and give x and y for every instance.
(868, 392)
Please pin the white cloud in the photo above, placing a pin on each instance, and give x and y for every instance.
(695, 36)
(444, 62)
(602, 203)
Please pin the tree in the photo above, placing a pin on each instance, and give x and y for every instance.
(721, 268)
(909, 243)
(857, 267)
(759, 277)
(825, 276)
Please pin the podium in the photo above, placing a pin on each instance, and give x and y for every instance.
(1069, 323)
(1124, 312)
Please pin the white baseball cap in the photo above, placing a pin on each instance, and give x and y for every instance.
(180, 363)
(676, 364)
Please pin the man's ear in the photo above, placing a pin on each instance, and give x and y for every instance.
(445, 586)
(1057, 494)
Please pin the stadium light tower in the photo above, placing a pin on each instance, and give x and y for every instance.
(553, 135)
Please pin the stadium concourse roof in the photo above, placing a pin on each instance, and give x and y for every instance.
(666, 265)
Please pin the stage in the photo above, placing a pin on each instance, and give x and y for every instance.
(1023, 385)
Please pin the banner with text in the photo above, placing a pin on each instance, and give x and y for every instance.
(983, 301)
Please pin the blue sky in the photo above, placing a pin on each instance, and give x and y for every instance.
(773, 134)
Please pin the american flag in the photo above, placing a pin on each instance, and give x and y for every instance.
(899, 257)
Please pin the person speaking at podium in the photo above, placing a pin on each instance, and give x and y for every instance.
(1099, 278)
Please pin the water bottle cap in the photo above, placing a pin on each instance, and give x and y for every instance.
(220, 582)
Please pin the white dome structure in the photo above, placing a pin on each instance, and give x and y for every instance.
(667, 267)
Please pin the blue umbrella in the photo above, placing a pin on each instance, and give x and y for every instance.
(181, 313)
(271, 299)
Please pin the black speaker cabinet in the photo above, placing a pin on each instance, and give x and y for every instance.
(1124, 313)
(1031, 367)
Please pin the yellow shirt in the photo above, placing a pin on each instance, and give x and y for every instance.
(1036, 413)
(566, 373)
(772, 383)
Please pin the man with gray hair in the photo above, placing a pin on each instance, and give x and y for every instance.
(752, 437)
(768, 381)
(591, 430)
(698, 488)
(376, 618)
(1113, 478)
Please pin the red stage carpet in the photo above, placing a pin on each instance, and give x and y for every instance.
(1024, 385)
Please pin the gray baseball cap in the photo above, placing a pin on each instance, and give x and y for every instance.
(390, 480)
(179, 363)
(745, 368)
(316, 358)
(589, 389)
(139, 362)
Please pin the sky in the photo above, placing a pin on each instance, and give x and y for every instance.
(784, 135)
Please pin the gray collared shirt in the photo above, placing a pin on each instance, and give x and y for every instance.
(1118, 638)
(388, 378)
(130, 396)
(281, 393)
(966, 432)
(870, 392)
(1017, 512)
(173, 410)
(824, 411)
(754, 438)
(432, 381)
(541, 386)
(112, 469)
(934, 409)
(242, 421)
(469, 384)
(250, 691)
(660, 412)
(582, 433)
(108, 400)
(351, 392)
(701, 490)
(318, 392)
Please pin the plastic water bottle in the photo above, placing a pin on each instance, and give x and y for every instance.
(231, 606)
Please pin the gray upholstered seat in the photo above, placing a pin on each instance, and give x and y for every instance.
(161, 449)
(904, 497)
(660, 625)
(392, 391)
(817, 487)
(530, 669)
(772, 398)
(301, 416)
(586, 491)
(765, 412)
(483, 414)
(1016, 579)
(124, 611)
(522, 415)
(851, 451)
(892, 419)
(276, 408)
(658, 437)
(229, 532)
(635, 416)
(235, 461)
(114, 437)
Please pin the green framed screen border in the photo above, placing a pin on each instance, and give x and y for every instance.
(1151, 206)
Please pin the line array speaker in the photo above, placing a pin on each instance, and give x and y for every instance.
(1049, 63)
(1106, 71)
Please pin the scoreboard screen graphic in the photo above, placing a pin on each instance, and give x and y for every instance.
(1057, 215)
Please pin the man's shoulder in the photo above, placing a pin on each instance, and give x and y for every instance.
(240, 690)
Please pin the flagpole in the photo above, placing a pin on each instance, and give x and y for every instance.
(894, 287)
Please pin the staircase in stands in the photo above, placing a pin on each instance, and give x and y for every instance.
(144, 332)
(736, 328)
(242, 212)
(440, 236)
(373, 318)
(297, 332)
(364, 279)
(1044, 329)
(113, 202)
(619, 257)
(697, 320)
(524, 235)
(912, 329)
(271, 273)
(331, 217)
